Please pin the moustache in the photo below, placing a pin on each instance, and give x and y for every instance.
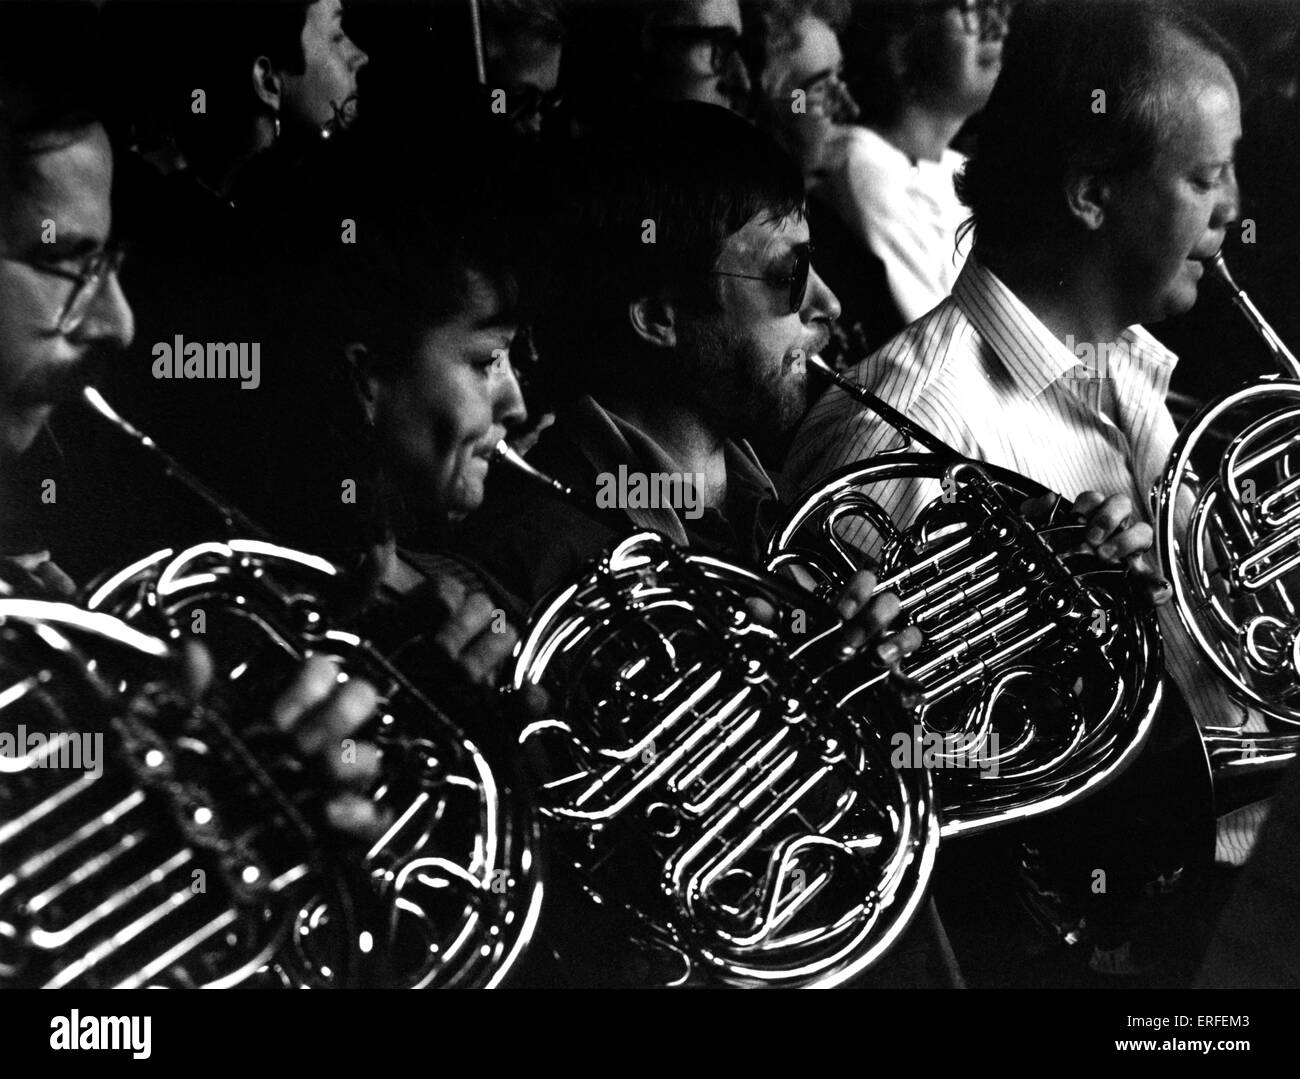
(54, 386)
(818, 344)
(344, 115)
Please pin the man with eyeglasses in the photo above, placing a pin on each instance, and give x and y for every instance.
(61, 304)
(921, 70)
(62, 310)
(690, 51)
(523, 43)
(808, 109)
(681, 304)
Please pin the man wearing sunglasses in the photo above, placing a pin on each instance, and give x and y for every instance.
(681, 307)
(691, 52)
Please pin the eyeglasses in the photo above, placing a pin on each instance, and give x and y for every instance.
(528, 100)
(797, 279)
(829, 96)
(977, 16)
(96, 268)
(723, 43)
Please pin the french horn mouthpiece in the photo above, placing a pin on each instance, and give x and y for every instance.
(1219, 266)
(507, 454)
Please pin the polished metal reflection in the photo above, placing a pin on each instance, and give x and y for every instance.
(1037, 656)
(197, 856)
(717, 788)
(449, 895)
(1227, 510)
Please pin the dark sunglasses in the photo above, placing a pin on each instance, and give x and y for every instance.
(723, 42)
(797, 278)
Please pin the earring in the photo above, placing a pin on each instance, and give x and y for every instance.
(275, 137)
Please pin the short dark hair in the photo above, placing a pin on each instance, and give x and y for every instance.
(213, 46)
(420, 245)
(1040, 120)
(542, 19)
(694, 174)
(43, 104)
(875, 31)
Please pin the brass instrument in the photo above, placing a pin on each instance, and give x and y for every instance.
(197, 856)
(1039, 660)
(1228, 538)
(714, 781)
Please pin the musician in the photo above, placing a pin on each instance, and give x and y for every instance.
(523, 43)
(626, 55)
(1103, 174)
(274, 75)
(676, 345)
(921, 72)
(806, 105)
(62, 311)
(423, 313)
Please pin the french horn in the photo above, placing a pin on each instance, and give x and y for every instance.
(716, 786)
(1227, 512)
(1038, 661)
(196, 855)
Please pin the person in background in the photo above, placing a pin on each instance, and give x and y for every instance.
(1087, 226)
(807, 107)
(919, 70)
(523, 44)
(63, 314)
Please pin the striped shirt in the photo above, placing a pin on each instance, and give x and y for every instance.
(985, 375)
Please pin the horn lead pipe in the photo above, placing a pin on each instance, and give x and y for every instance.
(1285, 358)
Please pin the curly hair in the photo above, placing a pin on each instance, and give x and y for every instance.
(773, 28)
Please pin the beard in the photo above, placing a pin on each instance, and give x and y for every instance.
(739, 388)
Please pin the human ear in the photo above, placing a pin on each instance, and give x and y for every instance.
(1086, 196)
(654, 320)
(365, 385)
(267, 84)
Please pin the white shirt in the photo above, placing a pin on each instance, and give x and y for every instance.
(907, 213)
(985, 375)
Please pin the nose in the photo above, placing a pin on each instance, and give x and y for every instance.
(109, 318)
(508, 408)
(997, 17)
(734, 83)
(819, 302)
(844, 108)
(530, 123)
(1228, 205)
(359, 57)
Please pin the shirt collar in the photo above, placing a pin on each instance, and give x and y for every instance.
(1031, 355)
(1029, 352)
(608, 440)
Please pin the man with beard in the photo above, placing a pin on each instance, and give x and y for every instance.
(677, 330)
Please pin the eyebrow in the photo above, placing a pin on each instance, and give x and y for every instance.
(790, 249)
(75, 245)
(496, 320)
(825, 73)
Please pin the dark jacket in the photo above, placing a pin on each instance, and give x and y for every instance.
(531, 540)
